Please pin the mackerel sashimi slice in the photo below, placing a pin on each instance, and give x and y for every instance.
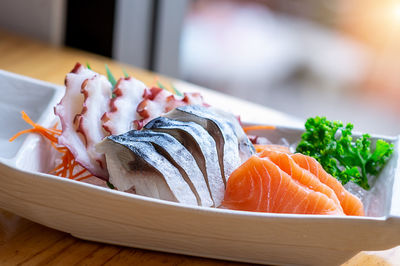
(219, 129)
(246, 148)
(201, 145)
(180, 157)
(136, 165)
(260, 185)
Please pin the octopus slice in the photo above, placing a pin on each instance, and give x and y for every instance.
(85, 101)
(128, 94)
(157, 101)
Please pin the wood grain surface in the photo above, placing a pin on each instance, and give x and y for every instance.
(23, 242)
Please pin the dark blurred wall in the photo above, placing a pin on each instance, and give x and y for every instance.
(90, 25)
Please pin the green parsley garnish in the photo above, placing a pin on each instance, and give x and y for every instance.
(332, 145)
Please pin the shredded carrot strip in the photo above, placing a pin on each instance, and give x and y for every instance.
(67, 166)
(68, 163)
(47, 134)
(71, 168)
(274, 147)
(55, 127)
(84, 177)
(246, 129)
(58, 148)
(79, 173)
(20, 133)
(58, 167)
(51, 134)
(39, 127)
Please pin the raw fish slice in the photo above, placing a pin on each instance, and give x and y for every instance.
(97, 93)
(128, 94)
(180, 157)
(219, 129)
(258, 183)
(246, 148)
(350, 203)
(304, 177)
(201, 145)
(157, 101)
(193, 98)
(71, 107)
(138, 166)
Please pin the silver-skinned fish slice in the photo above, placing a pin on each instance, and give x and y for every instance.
(219, 128)
(181, 158)
(201, 145)
(137, 165)
(246, 148)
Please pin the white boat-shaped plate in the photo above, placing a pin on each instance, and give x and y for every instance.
(101, 214)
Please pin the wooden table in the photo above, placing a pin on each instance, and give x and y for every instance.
(27, 243)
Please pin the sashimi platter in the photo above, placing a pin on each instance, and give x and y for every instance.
(162, 168)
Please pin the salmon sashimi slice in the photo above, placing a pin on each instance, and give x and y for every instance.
(303, 176)
(350, 203)
(260, 185)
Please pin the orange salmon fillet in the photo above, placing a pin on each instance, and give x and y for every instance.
(260, 185)
(303, 176)
(351, 204)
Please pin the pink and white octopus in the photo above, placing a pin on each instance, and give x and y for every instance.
(89, 112)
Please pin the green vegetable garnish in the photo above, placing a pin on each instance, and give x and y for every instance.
(111, 79)
(332, 145)
(88, 66)
(177, 92)
(126, 75)
(159, 84)
(110, 76)
(110, 185)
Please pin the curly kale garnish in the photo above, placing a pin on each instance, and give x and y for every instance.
(332, 145)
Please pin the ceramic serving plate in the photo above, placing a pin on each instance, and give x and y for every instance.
(100, 214)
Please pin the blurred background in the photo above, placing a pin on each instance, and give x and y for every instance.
(334, 58)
